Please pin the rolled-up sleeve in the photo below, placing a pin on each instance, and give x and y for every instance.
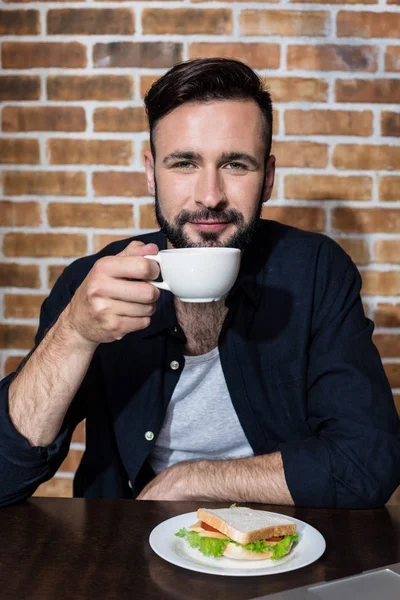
(351, 459)
(23, 467)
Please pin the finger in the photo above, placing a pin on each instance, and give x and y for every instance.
(127, 267)
(137, 248)
(127, 291)
(109, 307)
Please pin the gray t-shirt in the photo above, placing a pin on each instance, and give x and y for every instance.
(200, 421)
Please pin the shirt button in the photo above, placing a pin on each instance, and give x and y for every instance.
(174, 365)
(149, 435)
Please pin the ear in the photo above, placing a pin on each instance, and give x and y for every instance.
(149, 166)
(269, 178)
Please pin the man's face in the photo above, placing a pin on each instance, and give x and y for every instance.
(209, 178)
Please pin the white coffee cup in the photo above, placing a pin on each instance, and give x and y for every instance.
(197, 274)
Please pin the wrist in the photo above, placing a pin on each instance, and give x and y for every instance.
(65, 331)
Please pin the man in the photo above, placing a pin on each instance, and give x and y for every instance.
(275, 394)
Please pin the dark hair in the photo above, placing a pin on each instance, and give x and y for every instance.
(204, 80)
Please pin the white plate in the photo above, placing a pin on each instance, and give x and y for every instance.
(310, 546)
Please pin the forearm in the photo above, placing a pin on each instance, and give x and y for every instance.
(254, 479)
(42, 392)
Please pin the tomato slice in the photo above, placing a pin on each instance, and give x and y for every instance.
(275, 539)
(208, 527)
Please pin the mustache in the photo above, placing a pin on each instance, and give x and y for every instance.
(205, 214)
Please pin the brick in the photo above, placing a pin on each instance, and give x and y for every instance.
(89, 152)
(389, 188)
(300, 154)
(71, 462)
(146, 81)
(255, 1)
(328, 187)
(332, 57)
(390, 124)
(396, 398)
(392, 371)
(356, 248)
(368, 220)
(311, 219)
(328, 122)
(257, 56)
(387, 251)
(337, 1)
(23, 306)
(45, 183)
(22, 276)
(16, 87)
(79, 435)
(89, 215)
(42, 245)
(19, 151)
(147, 217)
(129, 119)
(388, 344)
(381, 283)
(17, 336)
(53, 273)
(30, 55)
(367, 24)
(297, 89)
(368, 90)
(187, 21)
(284, 22)
(101, 240)
(91, 21)
(12, 363)
(19, 22)
(19, 214)
(116, 183)
(392, 58)
(387, 315)
(151, 55)
(95, 87)
(55, 488)
(43, 118)
(366, 156)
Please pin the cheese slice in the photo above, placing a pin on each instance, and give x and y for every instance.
(204, 533)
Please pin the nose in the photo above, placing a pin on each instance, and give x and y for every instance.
(209, 190)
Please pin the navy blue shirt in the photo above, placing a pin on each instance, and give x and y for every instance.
(302, 371)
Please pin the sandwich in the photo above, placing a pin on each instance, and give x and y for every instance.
(241, 533)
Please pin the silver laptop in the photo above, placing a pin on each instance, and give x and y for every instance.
(382, 584)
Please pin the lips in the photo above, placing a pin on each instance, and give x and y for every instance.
(210, 225)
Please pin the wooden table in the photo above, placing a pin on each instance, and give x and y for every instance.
(56, 549)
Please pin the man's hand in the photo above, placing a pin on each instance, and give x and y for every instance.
(253, 479)
(108, 305)
(170, 484)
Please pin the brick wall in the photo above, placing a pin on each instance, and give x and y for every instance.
(73, 132)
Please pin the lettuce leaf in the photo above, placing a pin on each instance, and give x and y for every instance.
(216, 546)
(282, 547)
(206, 545)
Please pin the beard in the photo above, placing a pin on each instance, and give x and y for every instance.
(240, 238)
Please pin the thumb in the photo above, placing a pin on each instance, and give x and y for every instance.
(137, 248)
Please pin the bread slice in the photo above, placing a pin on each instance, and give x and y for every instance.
(245, 525)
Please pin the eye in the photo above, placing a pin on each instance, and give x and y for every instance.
(184, 164)
(236, 166)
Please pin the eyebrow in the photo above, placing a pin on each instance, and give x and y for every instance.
(181, 155)
(230, 156)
